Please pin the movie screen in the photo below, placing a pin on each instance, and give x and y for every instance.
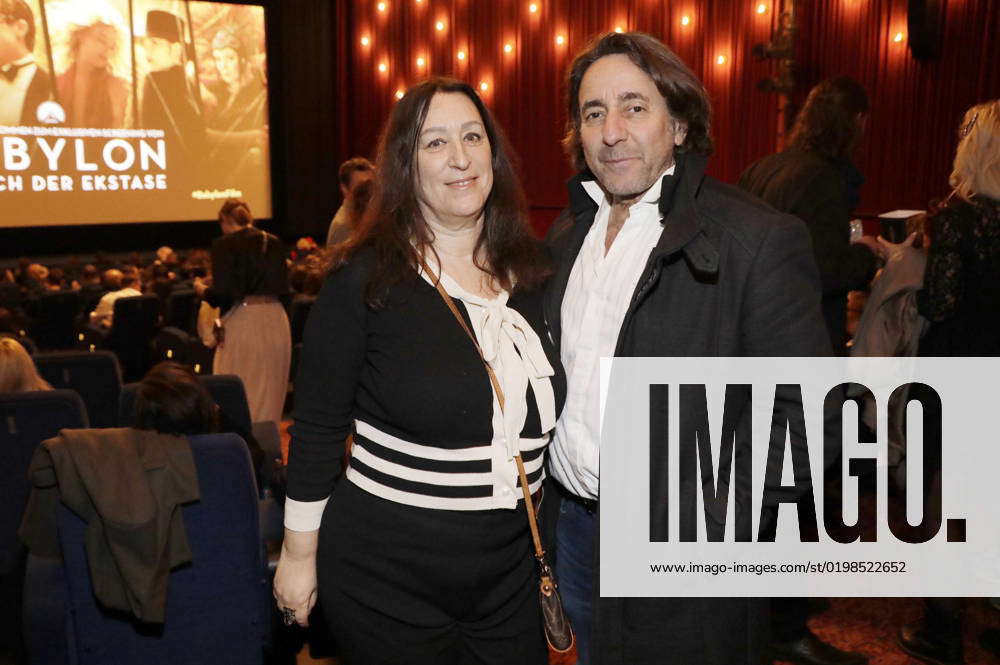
(117, 111)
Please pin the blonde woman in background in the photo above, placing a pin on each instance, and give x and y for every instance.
(961, 300)
(961, 295)
(91, 38)
(17, 369)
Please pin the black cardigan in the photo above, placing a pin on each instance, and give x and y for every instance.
(248, 262)
(407, 369)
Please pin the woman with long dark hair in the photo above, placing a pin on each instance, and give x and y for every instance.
(422, 551)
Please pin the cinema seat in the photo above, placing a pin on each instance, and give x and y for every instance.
(218, 606)
(227, 391)
(95, 375)
(26, 419)
(131, 334)
(54, 317)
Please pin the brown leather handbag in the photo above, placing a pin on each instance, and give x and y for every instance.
(558, 631)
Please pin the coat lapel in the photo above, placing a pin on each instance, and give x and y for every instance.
(566, 247)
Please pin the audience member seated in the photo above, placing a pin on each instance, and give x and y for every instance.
(171, 400)
(34, 281)
(119, 285)
(91, 289)
(56, 280)
(162, 253)
(17, 369)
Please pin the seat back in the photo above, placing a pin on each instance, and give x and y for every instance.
(228, 392)
(27, 419)
(217, 610)
(172, 344)
(55, 316)
(181, 309)
(226, 389)
(95, 375)
(132, 330)
(10, 295)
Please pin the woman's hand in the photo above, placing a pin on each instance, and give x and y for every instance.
(199, 286)
(295, 579)
(891, 250)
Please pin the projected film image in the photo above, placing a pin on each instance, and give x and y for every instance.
(116, 111)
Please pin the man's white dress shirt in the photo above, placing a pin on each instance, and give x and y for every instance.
(598, 294)
(103, 314)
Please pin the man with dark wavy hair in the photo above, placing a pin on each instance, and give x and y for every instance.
(23, 84)
(654, 258)
(815, 180)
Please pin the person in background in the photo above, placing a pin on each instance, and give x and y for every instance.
(91, 288)
(815, 180)
(17, 370)
(119, 285)
(961, 300)
(56, 280)
(171, 399)
(352, 174)
(35, 281)
(249, 276)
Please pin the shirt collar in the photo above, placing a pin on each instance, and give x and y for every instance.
(26, 60)
(652, 195)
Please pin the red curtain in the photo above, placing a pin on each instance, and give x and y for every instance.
(915, 106)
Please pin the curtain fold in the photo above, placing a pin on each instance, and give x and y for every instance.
(909, 144)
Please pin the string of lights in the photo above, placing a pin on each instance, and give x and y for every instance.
(509, 47)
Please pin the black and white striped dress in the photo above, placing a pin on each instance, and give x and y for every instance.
(433, 452)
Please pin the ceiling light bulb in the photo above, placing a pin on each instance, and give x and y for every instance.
(382, 67)
(460, 55)
(685, 20)
(439, 25)
(507, 48)
(364, 41)
(484, 86)
(560, 40)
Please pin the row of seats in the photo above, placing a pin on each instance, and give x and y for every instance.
(97, 378)
(138, 336)
(218, 608)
